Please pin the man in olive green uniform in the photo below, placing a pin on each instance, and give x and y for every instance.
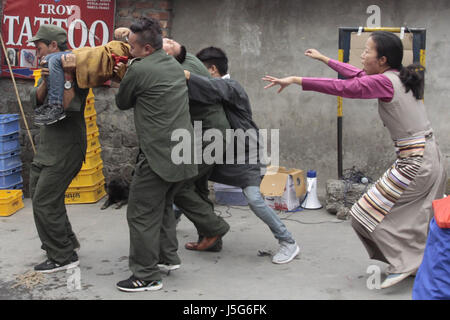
(155, 87)
(192, 198)
(58, 160)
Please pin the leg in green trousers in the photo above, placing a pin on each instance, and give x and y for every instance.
(192, 199)
(48, 185)
(151, 221)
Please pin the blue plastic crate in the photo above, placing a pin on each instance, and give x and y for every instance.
(11, 177)
(18, 186)
(9, 123)
(10, 160)
(9, 143)
(10, 171)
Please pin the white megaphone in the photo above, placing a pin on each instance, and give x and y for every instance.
(311, 201)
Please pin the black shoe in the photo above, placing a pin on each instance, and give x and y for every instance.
(51, 115)
(39, 113)
(40, 110)
(133, 284)
(50, 266)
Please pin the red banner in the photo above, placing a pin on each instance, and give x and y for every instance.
(87, 22)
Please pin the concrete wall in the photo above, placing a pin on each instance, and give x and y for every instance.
(269, 37)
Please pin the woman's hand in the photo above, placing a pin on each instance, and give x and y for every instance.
(283, 82)
(313, 53)
(187, 74)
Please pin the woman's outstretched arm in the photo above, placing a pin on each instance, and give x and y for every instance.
(366, 87)
(344, 69)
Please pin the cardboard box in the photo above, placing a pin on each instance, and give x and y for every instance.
(283, 188)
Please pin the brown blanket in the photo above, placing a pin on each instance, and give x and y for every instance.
(95, 65)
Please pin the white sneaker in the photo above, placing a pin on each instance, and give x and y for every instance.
(168, 267)
(286, 253)
(394, 278)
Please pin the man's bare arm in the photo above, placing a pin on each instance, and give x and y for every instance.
(69, 63)
(41, 92)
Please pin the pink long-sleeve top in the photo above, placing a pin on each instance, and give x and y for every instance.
(357, 85)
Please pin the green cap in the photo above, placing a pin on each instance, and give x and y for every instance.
(50, 32)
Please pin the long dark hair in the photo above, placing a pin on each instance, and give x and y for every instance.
(391, 47)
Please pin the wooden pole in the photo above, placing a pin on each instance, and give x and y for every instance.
(17, 95)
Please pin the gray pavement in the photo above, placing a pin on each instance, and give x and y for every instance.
(332, 264)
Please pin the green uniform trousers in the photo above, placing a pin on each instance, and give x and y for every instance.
(151, 222)
(48, 185)
(192, 199)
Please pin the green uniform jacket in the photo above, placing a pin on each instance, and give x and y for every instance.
(155, 86)
(211, 115)
(57, 140)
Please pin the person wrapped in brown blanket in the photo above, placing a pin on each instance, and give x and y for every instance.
(95, 66)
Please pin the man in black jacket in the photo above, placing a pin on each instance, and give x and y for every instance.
(228, 92)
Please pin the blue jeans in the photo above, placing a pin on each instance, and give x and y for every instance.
(266, 214)
(55, 79)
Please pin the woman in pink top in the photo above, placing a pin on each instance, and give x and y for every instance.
(393, 216)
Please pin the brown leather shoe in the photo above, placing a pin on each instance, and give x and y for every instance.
(217, 247)
(191, 245)
(207, 243)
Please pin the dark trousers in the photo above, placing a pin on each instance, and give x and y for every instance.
(192, 199)
(48, 185)
(151, 222)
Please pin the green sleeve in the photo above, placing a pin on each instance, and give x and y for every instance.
(126, 97)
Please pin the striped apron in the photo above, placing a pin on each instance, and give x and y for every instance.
(378, 201)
